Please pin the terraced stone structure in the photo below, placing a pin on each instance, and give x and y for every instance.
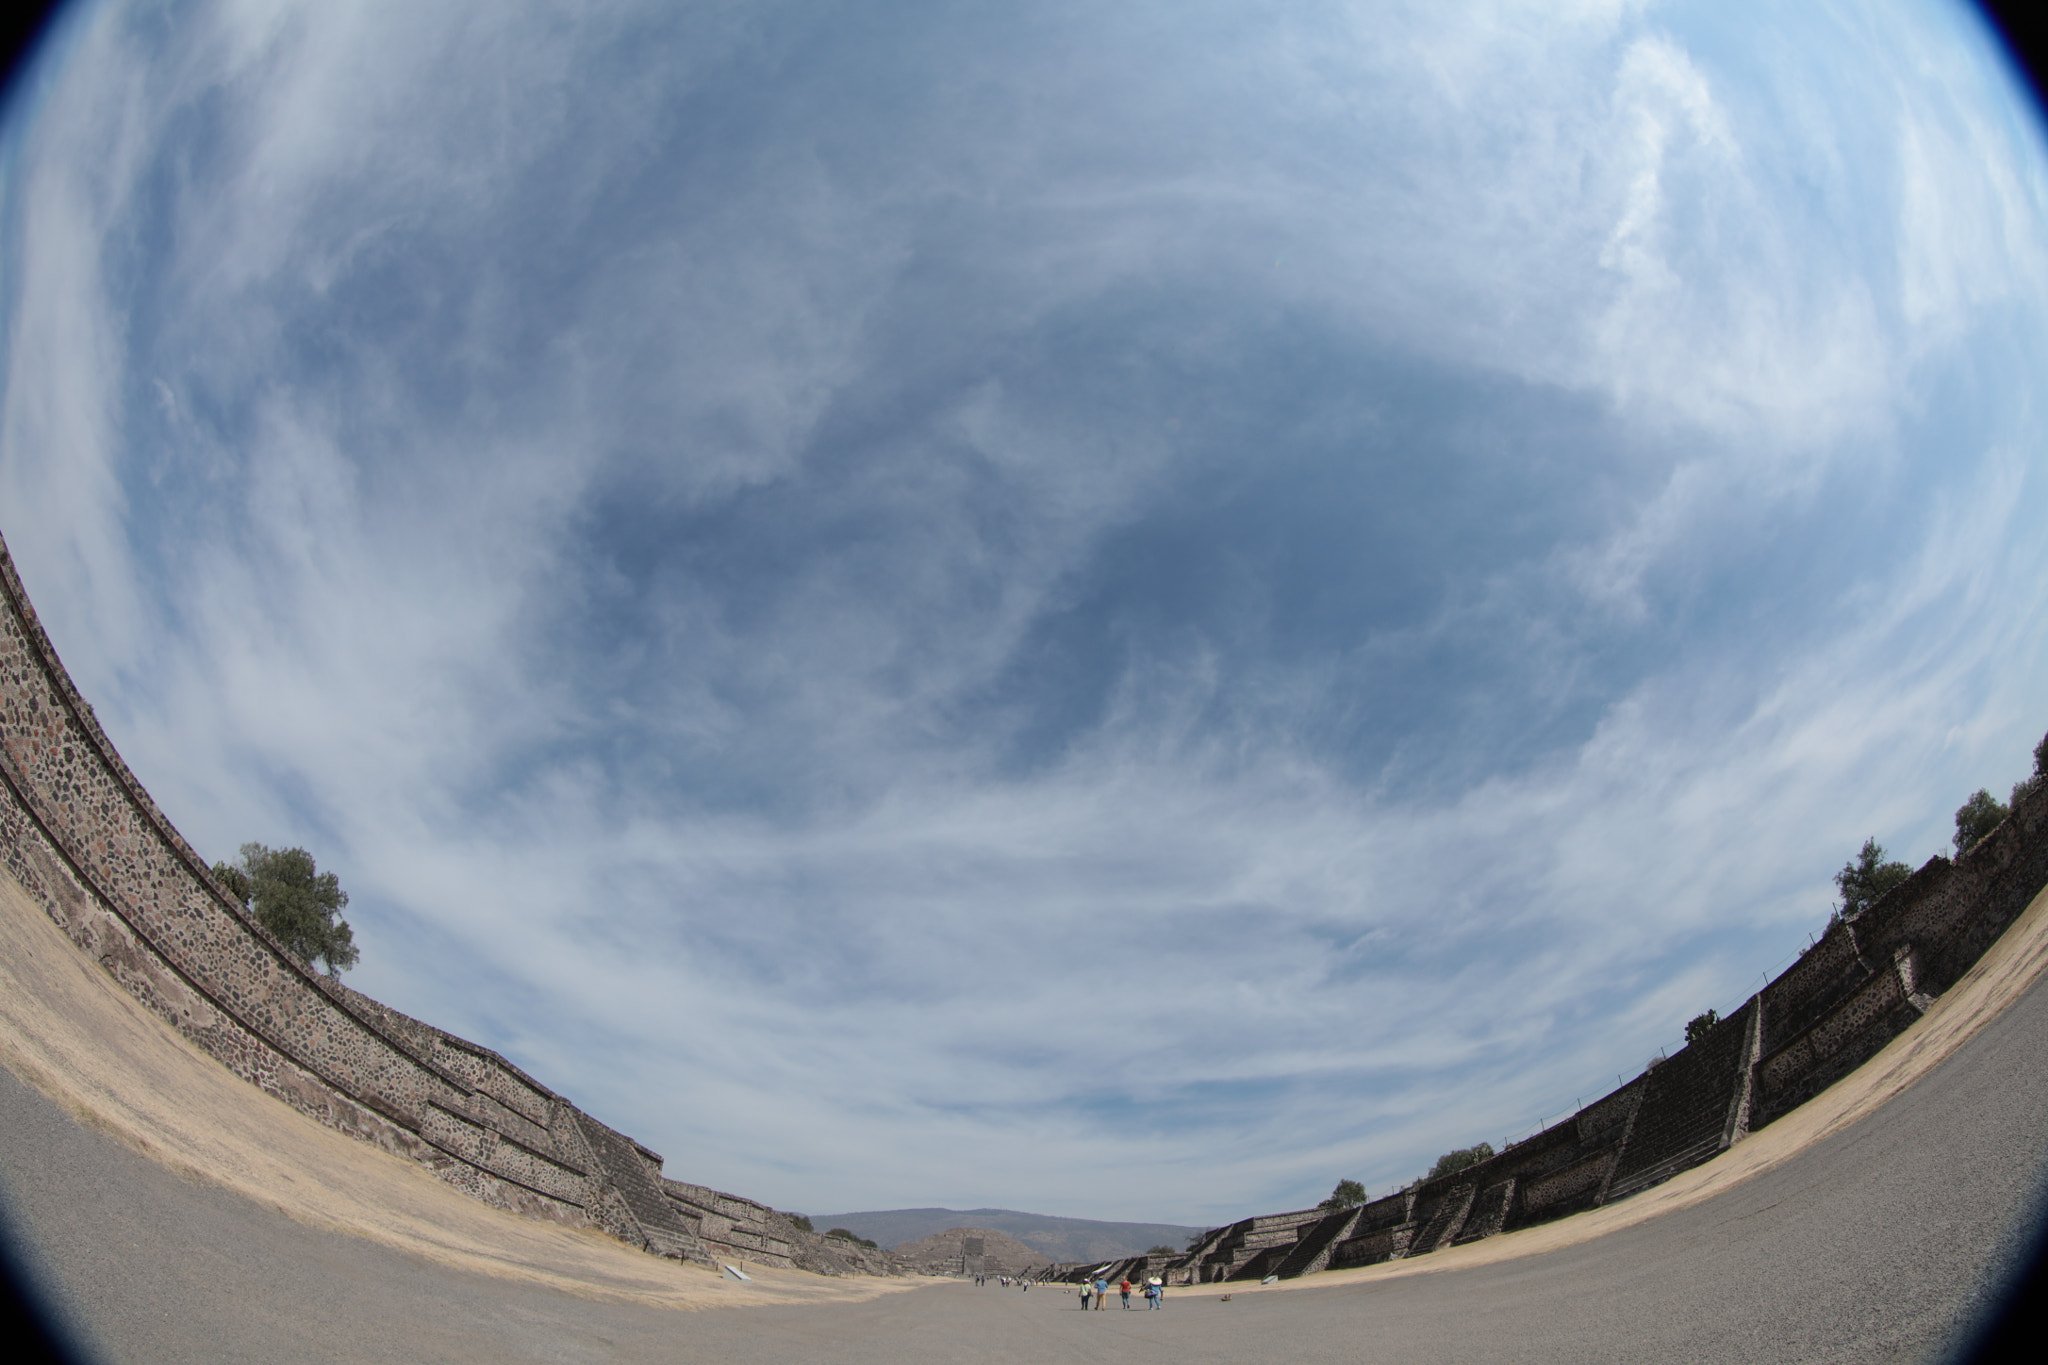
(970, 1251)
(1861, 985)
(80, 834)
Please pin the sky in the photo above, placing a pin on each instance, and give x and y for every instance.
(1121, 614)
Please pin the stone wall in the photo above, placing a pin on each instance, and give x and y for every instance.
(822, 1255)
(1862, 984)
(82, 836)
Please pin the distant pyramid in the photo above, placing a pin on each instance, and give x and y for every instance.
(1057, 1239)
(971, 1251)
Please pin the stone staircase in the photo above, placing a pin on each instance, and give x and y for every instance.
(1318, 1243)
(1445, 1224)
(1262, 1243)
(1489, 1212)
(1641, 1178)
(636, 1178)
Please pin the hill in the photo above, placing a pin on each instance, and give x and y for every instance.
(1061, 1239)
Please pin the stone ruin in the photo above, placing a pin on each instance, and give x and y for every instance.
(87, 842)
(971, 1251)
(1859, 986)
(79, 833)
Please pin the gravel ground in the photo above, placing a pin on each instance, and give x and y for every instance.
(166, 1212)
(1875, 1244)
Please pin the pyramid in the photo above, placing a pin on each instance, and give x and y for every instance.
(950, 1253)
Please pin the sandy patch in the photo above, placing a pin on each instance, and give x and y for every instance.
(2000, 977)
(68, 1029)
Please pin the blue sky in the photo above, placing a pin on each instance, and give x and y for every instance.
(968, 604)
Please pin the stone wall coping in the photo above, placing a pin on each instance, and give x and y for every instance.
(508, 1139)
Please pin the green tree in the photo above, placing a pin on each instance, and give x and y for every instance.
(235, 880)
(294, 900)
(846, 1236)
(1460, 1159)
(1349, 1194)
(1699, 1026)
(1861, 882)
(1976, 818)
(2026, 785)
(801, 1220)
(1161, 1251)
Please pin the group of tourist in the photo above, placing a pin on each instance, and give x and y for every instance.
(1094, 1293)
(1098, 1290)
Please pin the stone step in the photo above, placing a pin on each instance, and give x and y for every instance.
(1318, 1243)
(662, 1225)
(1446, 1223)
(1489, 1212)
(1636, 1181)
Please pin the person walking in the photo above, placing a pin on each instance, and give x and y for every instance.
(1101, 1294)
(1124, 1291)
(1155, 1291)
(1086, 1290)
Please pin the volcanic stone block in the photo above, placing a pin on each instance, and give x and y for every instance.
(1686, 1102)
(1833, 1045)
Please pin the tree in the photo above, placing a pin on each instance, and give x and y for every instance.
(1976, 818)
(2026, 785)
(801, 1220)
(235, 880)
(1349, 1194)
(294, 900)
(845, 1236)
(1699, 1026)
(1864, 880)
(1161, 1250)
(1460, 1159)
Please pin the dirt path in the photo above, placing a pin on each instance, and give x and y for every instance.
(69, 1031)
(1877, 1244)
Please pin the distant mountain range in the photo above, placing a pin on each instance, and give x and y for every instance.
(1063, 1239)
